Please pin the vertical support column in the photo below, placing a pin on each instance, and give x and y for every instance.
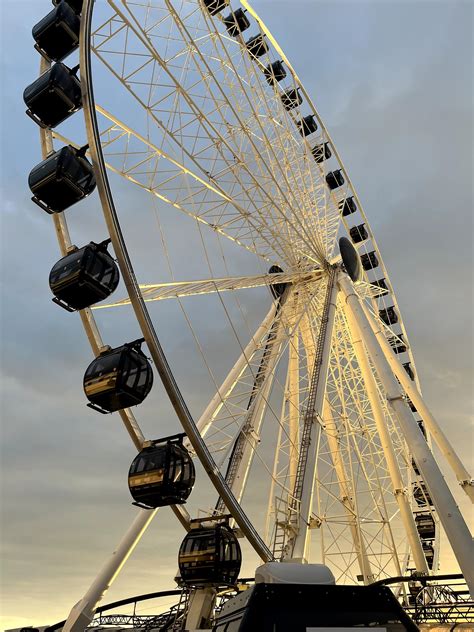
(437, 434)
(233, 376)
(200, 607)
(451, 518)
(247, 439)
(346, 493)
(387, 445)
(253, 436)
(313, 415)
(83, 612)
(293, 399)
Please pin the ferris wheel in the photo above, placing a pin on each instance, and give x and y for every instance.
(315, 436)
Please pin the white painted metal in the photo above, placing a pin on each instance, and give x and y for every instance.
(450, 516)
(83, 612)
(350, 189)
(463, 476)
(291, 573)
(141, 313)
(347, 494)
(87, 318)
(315, 213)
(254, 419)
(180, 289)
(293, 399)
(230, 381)
(399, 488)
(200, 607)
(300, 547)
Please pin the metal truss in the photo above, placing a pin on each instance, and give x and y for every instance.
(301, 424)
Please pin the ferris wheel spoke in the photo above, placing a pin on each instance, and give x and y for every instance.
(346, 493)
(227, 416)
(450, 516)
(203, 201)
(369, 453)
(181, 289)
(388, 449)
(244, 445)
(280, 154)
(236, 164)
(177, 144)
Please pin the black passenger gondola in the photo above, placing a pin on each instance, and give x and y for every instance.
(256, 45)
(84, 276)
(359, 233)
(347, 206)
(382, 285)
(214, 6)
(76, 5)
(291, 98)
(275, 72)
(277, 289)
(409, 370)
(422, 428)
(397, 344)
(321, 153)
(421, 495)
(57, 34)
(388, 315)
(236, 22)
(335, 179)
(118, 378)
(428, 550)
(425, 525)
(307, 125)
(62, 179)
(369, 260)
(162, 473)
(210, 556)
(54, 96)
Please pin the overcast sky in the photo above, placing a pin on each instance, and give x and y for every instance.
(394, 83)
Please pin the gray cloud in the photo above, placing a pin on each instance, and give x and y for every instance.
(393, 81)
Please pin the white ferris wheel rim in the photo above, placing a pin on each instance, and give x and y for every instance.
(88, 320)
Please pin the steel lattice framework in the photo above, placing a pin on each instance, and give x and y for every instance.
(194, 118)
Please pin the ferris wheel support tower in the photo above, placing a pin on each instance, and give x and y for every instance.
(451, 518)
(296, 224)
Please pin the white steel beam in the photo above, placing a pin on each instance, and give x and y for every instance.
(346, 493)
(293, 398)
(228, 385)
(181, 289)
(443, 443)
(398, 486)
(255, 416)
(301, 542)
(450, 516)
(83, 612)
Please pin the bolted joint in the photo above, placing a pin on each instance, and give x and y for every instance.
(399, 492)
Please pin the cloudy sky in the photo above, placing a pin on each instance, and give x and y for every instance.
(394, 83)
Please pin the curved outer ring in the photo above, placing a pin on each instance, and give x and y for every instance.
(136, 299)
(265, 30)
(87, 318)
(276, 46)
